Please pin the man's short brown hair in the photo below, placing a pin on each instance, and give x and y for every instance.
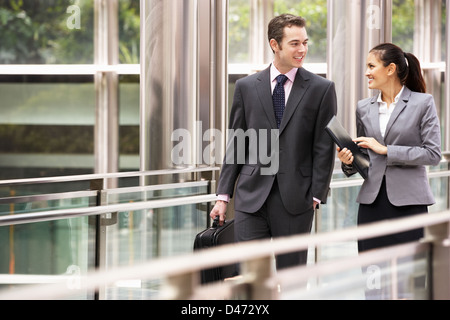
(277, 25)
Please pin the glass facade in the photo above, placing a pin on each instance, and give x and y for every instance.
(47, 32)
(50, 92)
(68, 89)
(49, 89)
(51, 76)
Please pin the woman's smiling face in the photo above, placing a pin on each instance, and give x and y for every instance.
(376, 72)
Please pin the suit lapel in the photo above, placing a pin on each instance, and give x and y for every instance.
(374, 116)
(264, 91)
(399, 107)
(299, 88)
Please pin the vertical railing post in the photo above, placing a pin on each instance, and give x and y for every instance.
(101, 222)
(95, 221)
(181, 287)
(260, 271)
(440, 261)
(446, 116)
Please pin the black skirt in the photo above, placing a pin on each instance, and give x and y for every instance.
(382, 209)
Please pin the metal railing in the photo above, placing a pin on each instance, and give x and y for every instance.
(259, 281)
(177, 276)
(85, 209)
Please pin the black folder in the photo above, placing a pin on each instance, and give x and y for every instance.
(343, 140)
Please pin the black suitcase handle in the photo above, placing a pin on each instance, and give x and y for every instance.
(216, 222)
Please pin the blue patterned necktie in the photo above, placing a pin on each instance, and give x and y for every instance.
(278, 98)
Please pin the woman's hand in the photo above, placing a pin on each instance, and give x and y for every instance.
(345, 156)
(371, 143)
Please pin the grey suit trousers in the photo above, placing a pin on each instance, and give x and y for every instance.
(271, 221)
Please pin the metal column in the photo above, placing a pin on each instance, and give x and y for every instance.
(447, 82)
(354, 27)
(106, 86)
(107, 118)
(183, 77)
(427, 45)
(168, 77)
(261, 14)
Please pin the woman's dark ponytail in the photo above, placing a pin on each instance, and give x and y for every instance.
(408, 66)
(414, 81)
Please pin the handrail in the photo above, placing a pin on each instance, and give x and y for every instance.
(92, 193)
(97, 210)
(166, 186)
(95, 176)
(233, 253)
(345, 182)
(152, 204)
(50, 196)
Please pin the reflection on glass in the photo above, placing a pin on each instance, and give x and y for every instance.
(140, 236)
(239, 31)
(129, 31)
(403, 278)
(46, 128)
(315, 13)
(129, 121)
(403, 25)
(56, 251)
(44, 32)
(406, 278)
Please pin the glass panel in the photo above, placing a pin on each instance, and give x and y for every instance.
(140, 236)
(52, 251)
(315, 13)
(129, 121)
(17, 205)
(341, 211)
(405, 278)
(439, 187)
(403, 22)
(443, 30)
(239, 31)
(129, 31)
(45, 32)
(46, 128)
(156, 192)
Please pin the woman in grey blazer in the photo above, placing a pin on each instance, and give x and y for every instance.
(399, 131)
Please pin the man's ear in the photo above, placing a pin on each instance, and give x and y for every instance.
(274, 45)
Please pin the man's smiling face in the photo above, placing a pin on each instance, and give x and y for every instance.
(292, 50)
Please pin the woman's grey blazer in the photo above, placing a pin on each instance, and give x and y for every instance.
(413, 139)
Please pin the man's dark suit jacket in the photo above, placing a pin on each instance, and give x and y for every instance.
(306, 153)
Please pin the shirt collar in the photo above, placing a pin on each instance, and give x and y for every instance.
(274, 73)
(397, 97)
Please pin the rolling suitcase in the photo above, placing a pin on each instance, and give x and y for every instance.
(215, 236)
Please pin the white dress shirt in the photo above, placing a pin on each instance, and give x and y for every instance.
(385, 111)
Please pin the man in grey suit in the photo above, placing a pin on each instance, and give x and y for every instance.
(277, 198)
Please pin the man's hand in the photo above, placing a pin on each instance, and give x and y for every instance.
(315, 204)
(220, 209)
